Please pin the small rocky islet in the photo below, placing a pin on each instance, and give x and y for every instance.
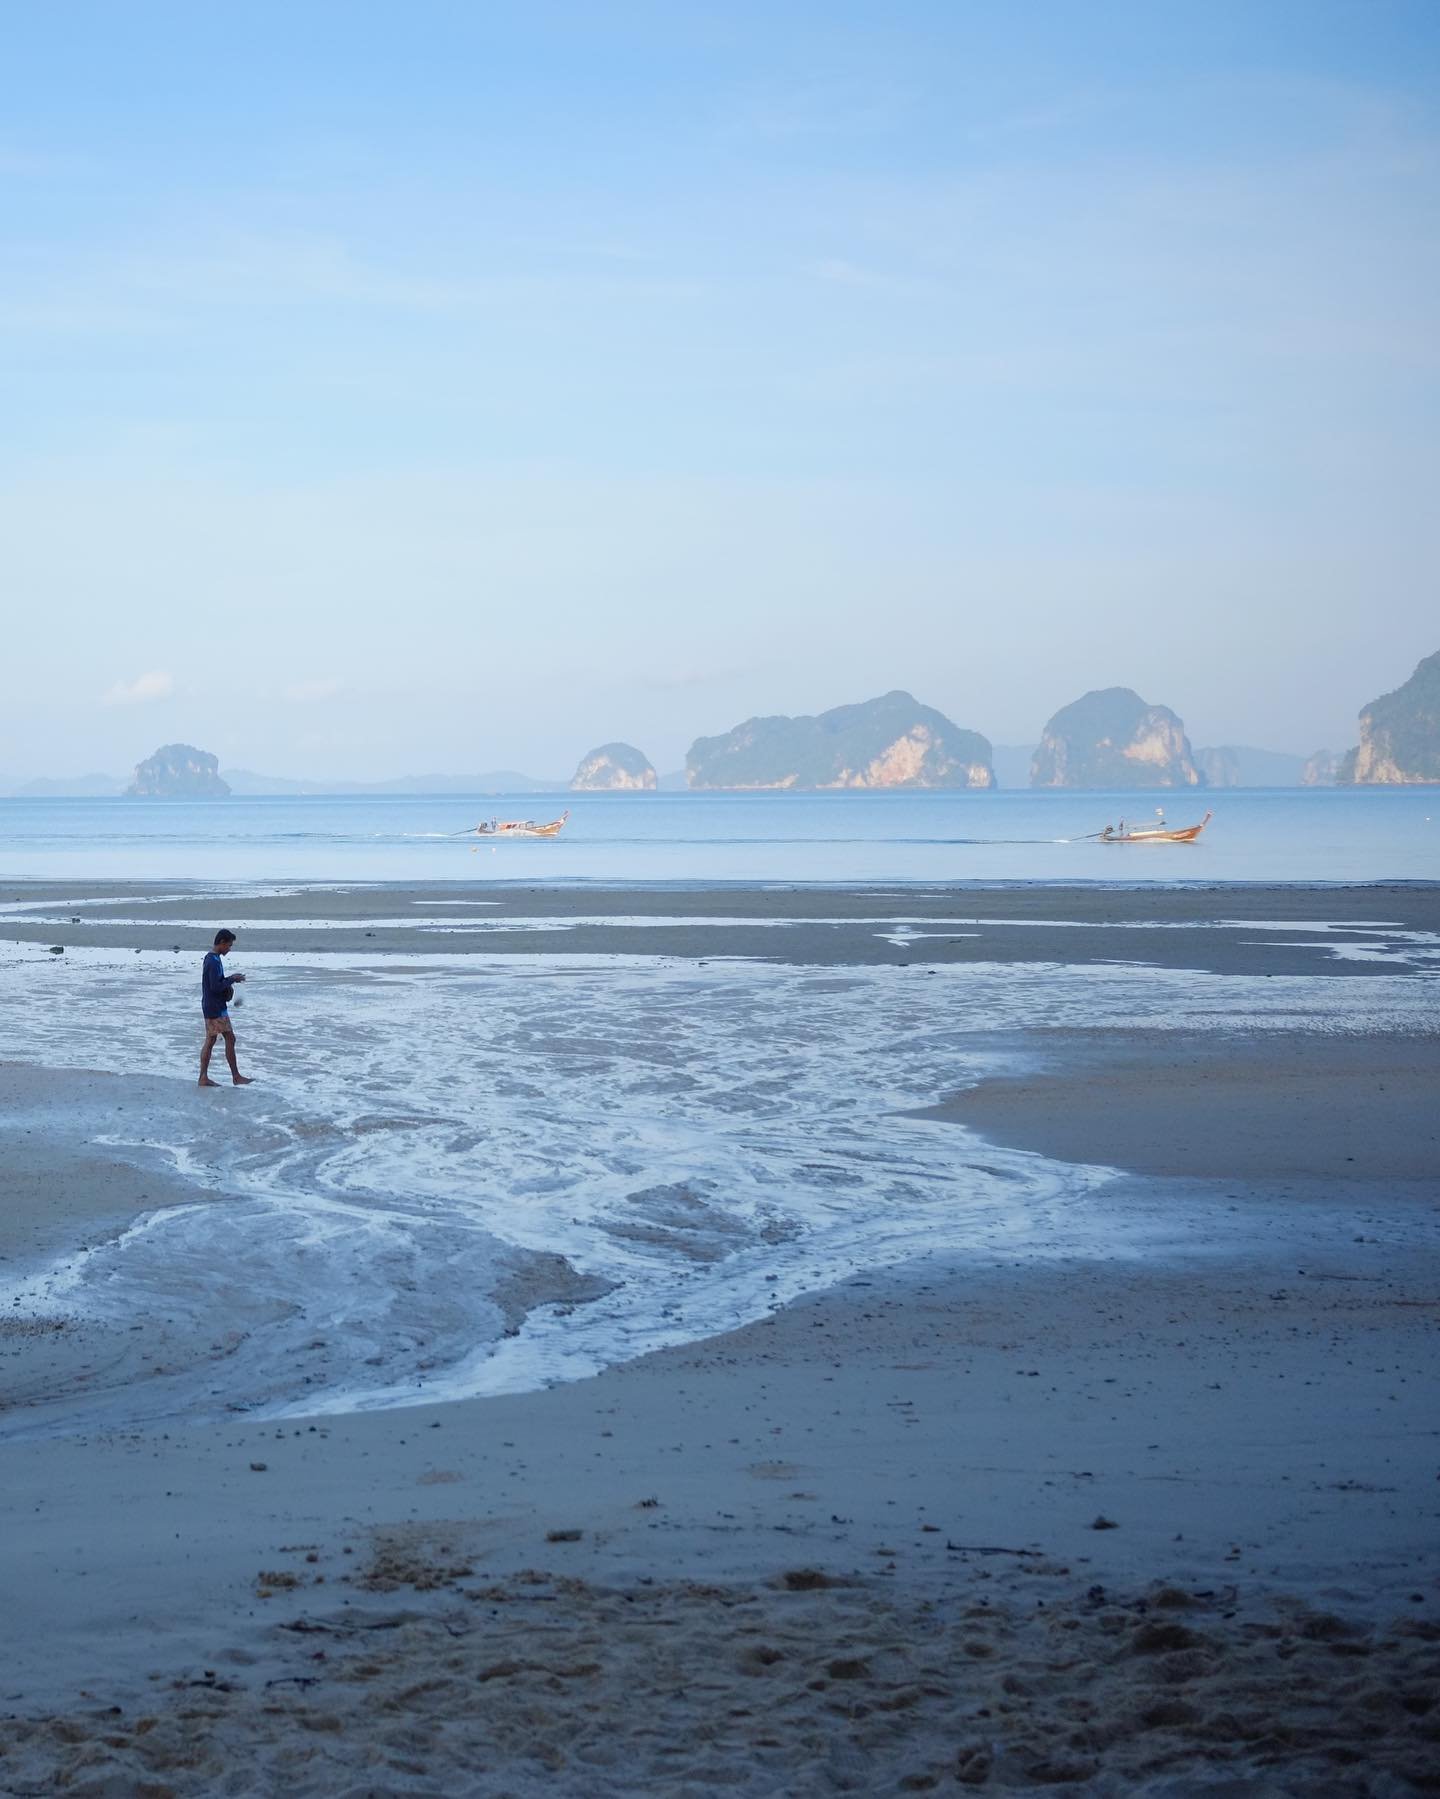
(615, 768)
(178, 771)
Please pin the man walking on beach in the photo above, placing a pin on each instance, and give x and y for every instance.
(215, 987)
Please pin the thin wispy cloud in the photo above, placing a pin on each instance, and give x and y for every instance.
(170, 289)
(700, 675)
(20, 163)
(1077, 110)
(839, 271)
(307, 693)
(154, 685)
(842, 107)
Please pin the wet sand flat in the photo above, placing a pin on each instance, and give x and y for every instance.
(1360, 1108)
(1160, 1518)
(1225, 930)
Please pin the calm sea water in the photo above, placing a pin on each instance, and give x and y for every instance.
(1257, 834)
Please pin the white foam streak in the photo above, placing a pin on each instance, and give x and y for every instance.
(429, 1133)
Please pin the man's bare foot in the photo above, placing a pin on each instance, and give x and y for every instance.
(205, 1081)
(242, 1080)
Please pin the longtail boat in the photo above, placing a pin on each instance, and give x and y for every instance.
(520, 827)
(1161, 833)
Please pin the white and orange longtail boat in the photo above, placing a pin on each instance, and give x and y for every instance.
(1159, 833)
(520, 827)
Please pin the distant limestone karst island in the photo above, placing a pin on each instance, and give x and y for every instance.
(892, 741)
(1399, 735)
(1108, 738)
(178, 771)
(615, 768)
(1112, 738)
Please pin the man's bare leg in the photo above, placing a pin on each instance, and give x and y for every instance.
(205, 1050)
(240, 1080)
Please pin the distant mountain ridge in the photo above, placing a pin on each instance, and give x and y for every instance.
(1011, 763)
(504, 780)
(1240, 765)
(1321, 768)
(246, 783)
(72, 787)
(892, 741)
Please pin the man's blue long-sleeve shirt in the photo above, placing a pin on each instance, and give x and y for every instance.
(213, 982)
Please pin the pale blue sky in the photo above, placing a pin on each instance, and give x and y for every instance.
(512, 378)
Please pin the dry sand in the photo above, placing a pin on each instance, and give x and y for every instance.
(623, 1585)
(547, 1684)
(1161, 1522)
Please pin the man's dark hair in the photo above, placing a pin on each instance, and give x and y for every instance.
(224, 937)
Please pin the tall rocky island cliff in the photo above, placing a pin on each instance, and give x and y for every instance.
(614, 768)
(178, 771)
(893, 741)
(1112, 738)
(1399, 734)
